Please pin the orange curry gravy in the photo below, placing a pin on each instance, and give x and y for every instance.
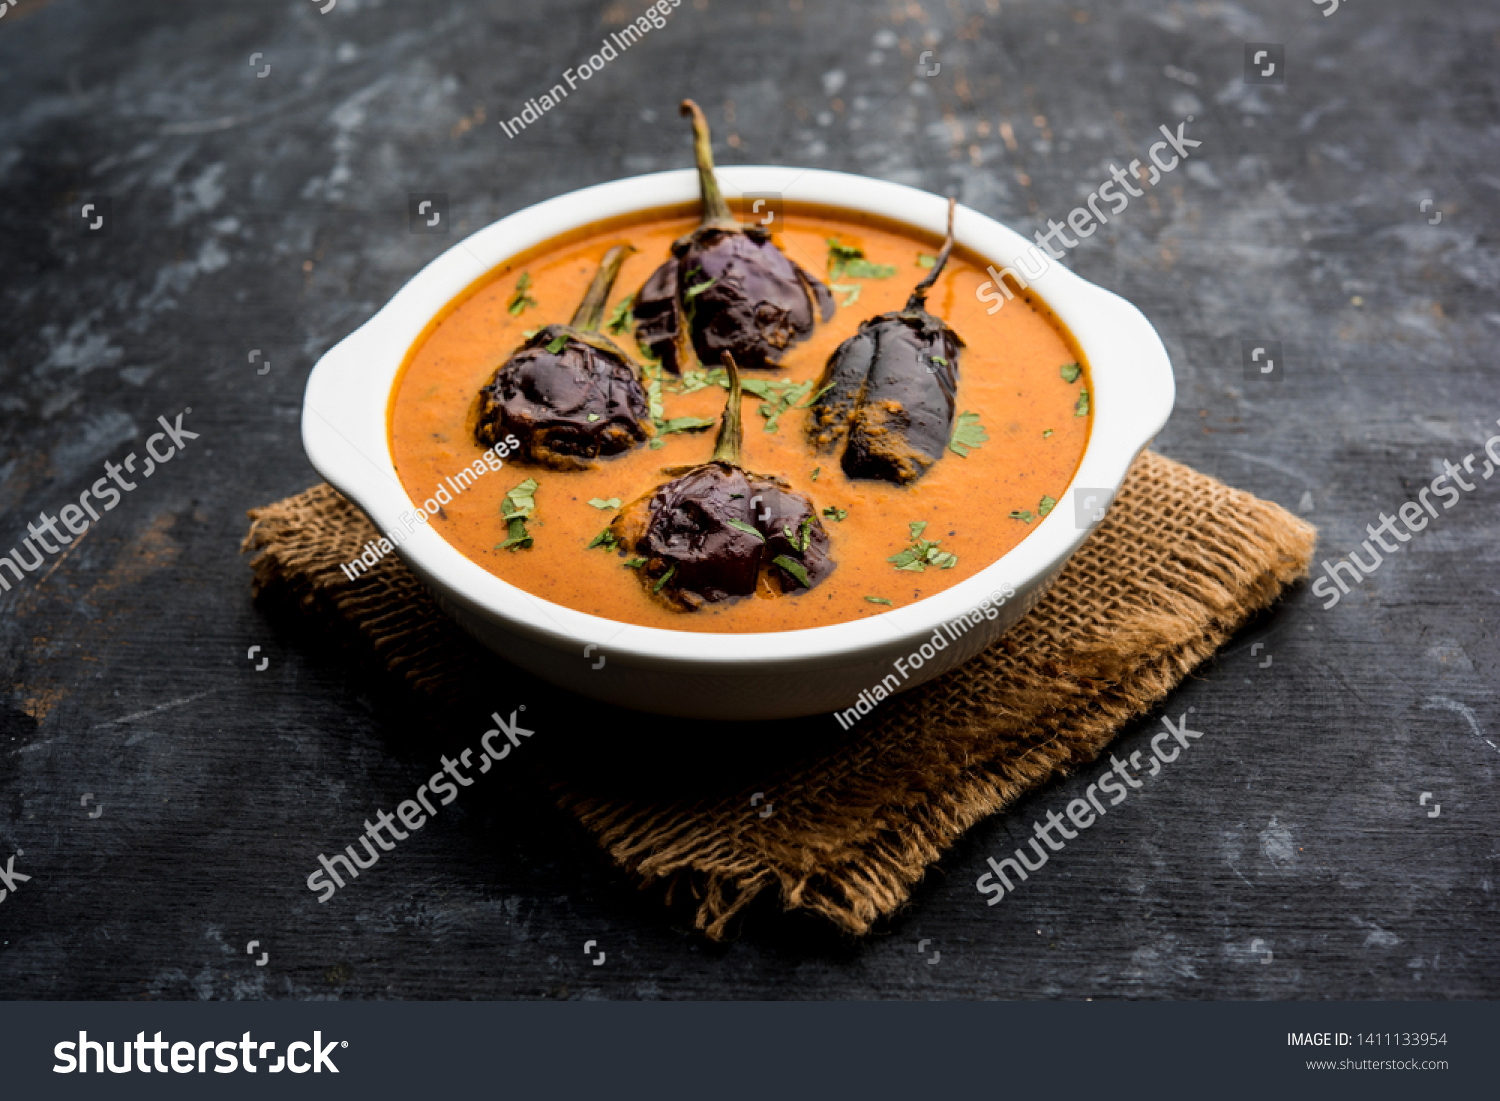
(1009, 373)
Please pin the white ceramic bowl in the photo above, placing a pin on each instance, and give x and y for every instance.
(725, 676)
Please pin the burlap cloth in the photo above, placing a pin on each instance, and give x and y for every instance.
(1179, 563)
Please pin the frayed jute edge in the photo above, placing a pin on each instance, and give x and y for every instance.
(1072, 706)
(1065, 708)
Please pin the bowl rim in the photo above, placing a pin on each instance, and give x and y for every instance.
(346, 402)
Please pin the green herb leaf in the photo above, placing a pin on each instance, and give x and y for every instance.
(925, 260)
(922, 553)
(1082, 408)
(517, 507)
(606, 540)
(529, 333)
(698, 288)
(850, 291)
(1046, 432)
(816, 471)
(1022, 514)
(520, 300)
(634, 563)
(557, 343)
(602, 502)
(1047, 505)
(684, 424)
(849, 260)
(940, 361)
(879, 600)
(749, 529)
(967, 433)
(796, 569)
(619, 318)
(866, 269)
(835, 513)
(593, 417)
(1071, 371)
(665, 578)
(816, 397)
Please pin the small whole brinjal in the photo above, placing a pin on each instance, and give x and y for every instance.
(727, 287)
(569, 393)
(717, 531)
(889, 390)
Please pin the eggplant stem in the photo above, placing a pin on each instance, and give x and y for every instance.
(590, 312)
(918, 299)
(731, 430)
(715, 209)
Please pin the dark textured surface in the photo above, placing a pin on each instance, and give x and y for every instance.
(1287, 855)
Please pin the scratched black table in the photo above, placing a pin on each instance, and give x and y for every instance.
(198, 200)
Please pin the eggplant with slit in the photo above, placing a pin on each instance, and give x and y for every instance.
(727, 287)
(718, 532)
(569, 393)
(889, 391)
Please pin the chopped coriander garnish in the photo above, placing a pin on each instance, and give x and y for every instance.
(794, 568)
(922, 552)
(816, 471)
(967, 433)
(605, 502)
(835, 513)
(940, 361)
(684, 424)
(849, 260)
(1022, 514)
(529, 333)
(634, 563)
(665, 578)
(1047, 505)
(925, 260)
(850, 291)
(802, 537)
(619, 318)
(789, 396)
(698, 288)
(1082, 408)
(606, 540)
(749, 529)
(879, 600)
(1071, 371)
(1046, 432)
(520, 300)
(517, 507)
(557, 343)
